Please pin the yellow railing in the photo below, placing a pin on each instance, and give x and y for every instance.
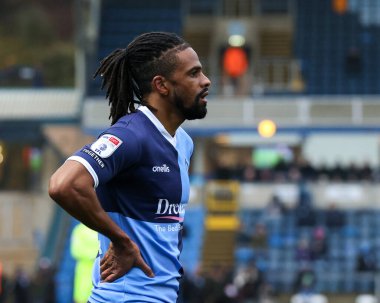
(222, 196)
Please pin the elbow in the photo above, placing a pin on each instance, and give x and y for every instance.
(68, 186)
(57, 189)
(53, 189)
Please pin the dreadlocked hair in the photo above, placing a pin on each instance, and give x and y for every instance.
(127, 73)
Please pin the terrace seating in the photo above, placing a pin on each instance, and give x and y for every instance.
(336, 272)
(326, 41)
(123, 20)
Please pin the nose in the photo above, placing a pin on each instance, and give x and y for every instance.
(205, 81)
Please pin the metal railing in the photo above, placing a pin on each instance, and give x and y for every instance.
(24, 104)
(278, 75)
(246, 112)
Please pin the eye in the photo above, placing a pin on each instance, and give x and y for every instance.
(194, 73)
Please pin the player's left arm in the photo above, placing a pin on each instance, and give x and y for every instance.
(72, 187)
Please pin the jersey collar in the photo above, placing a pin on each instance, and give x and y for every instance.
(146, 111)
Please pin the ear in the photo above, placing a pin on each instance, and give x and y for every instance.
(160, 85)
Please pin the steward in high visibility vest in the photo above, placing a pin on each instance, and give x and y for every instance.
(84, 248)
(235, 61)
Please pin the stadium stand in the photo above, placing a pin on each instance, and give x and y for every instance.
(337, 271)
(121, 21)
(338, 50)
(338, 54)
(193, 238)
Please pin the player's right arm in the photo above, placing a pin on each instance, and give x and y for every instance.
(72, 187)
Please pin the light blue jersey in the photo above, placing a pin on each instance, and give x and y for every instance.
(141, 179)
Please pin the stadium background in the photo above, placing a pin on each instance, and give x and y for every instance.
(310, 66)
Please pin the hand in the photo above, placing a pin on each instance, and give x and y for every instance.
(118, 260)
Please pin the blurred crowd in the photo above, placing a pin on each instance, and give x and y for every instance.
(22, 287)
(295, 171)
(223, 284)
(243, 282)
(309, 247)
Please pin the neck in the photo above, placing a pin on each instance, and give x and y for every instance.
(169, 120)
(167, 114)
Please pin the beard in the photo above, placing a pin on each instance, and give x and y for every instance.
(195, 111)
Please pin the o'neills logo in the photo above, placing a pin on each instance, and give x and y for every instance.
(167, 210)
(161, 169)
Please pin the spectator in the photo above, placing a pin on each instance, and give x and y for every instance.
(42, 285)
(245, 170)
(334, 217)
(305, 280)
(307, 171)
(5, 289)
(243, 235)
(265, 175)
(318, 243)
(353, 65)
(323, 172)
(216, 280)
(4, 286)
(191, 288)
(249, 281)
(248, 173)
(267, 294)
(259, 238)
(353, 173)
(275, 209)
(338, 173)
(21, 290)
(366, 259)
(224, 170)
(304, 209)
(303, 250)
(366, 172)
(281, 170)
(294, 173)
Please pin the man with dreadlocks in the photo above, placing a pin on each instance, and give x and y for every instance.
(139, 169)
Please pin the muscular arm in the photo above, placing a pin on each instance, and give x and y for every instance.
(71, 187)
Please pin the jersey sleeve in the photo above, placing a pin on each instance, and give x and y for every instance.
(115, 150)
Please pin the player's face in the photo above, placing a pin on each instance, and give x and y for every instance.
(189, 86)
